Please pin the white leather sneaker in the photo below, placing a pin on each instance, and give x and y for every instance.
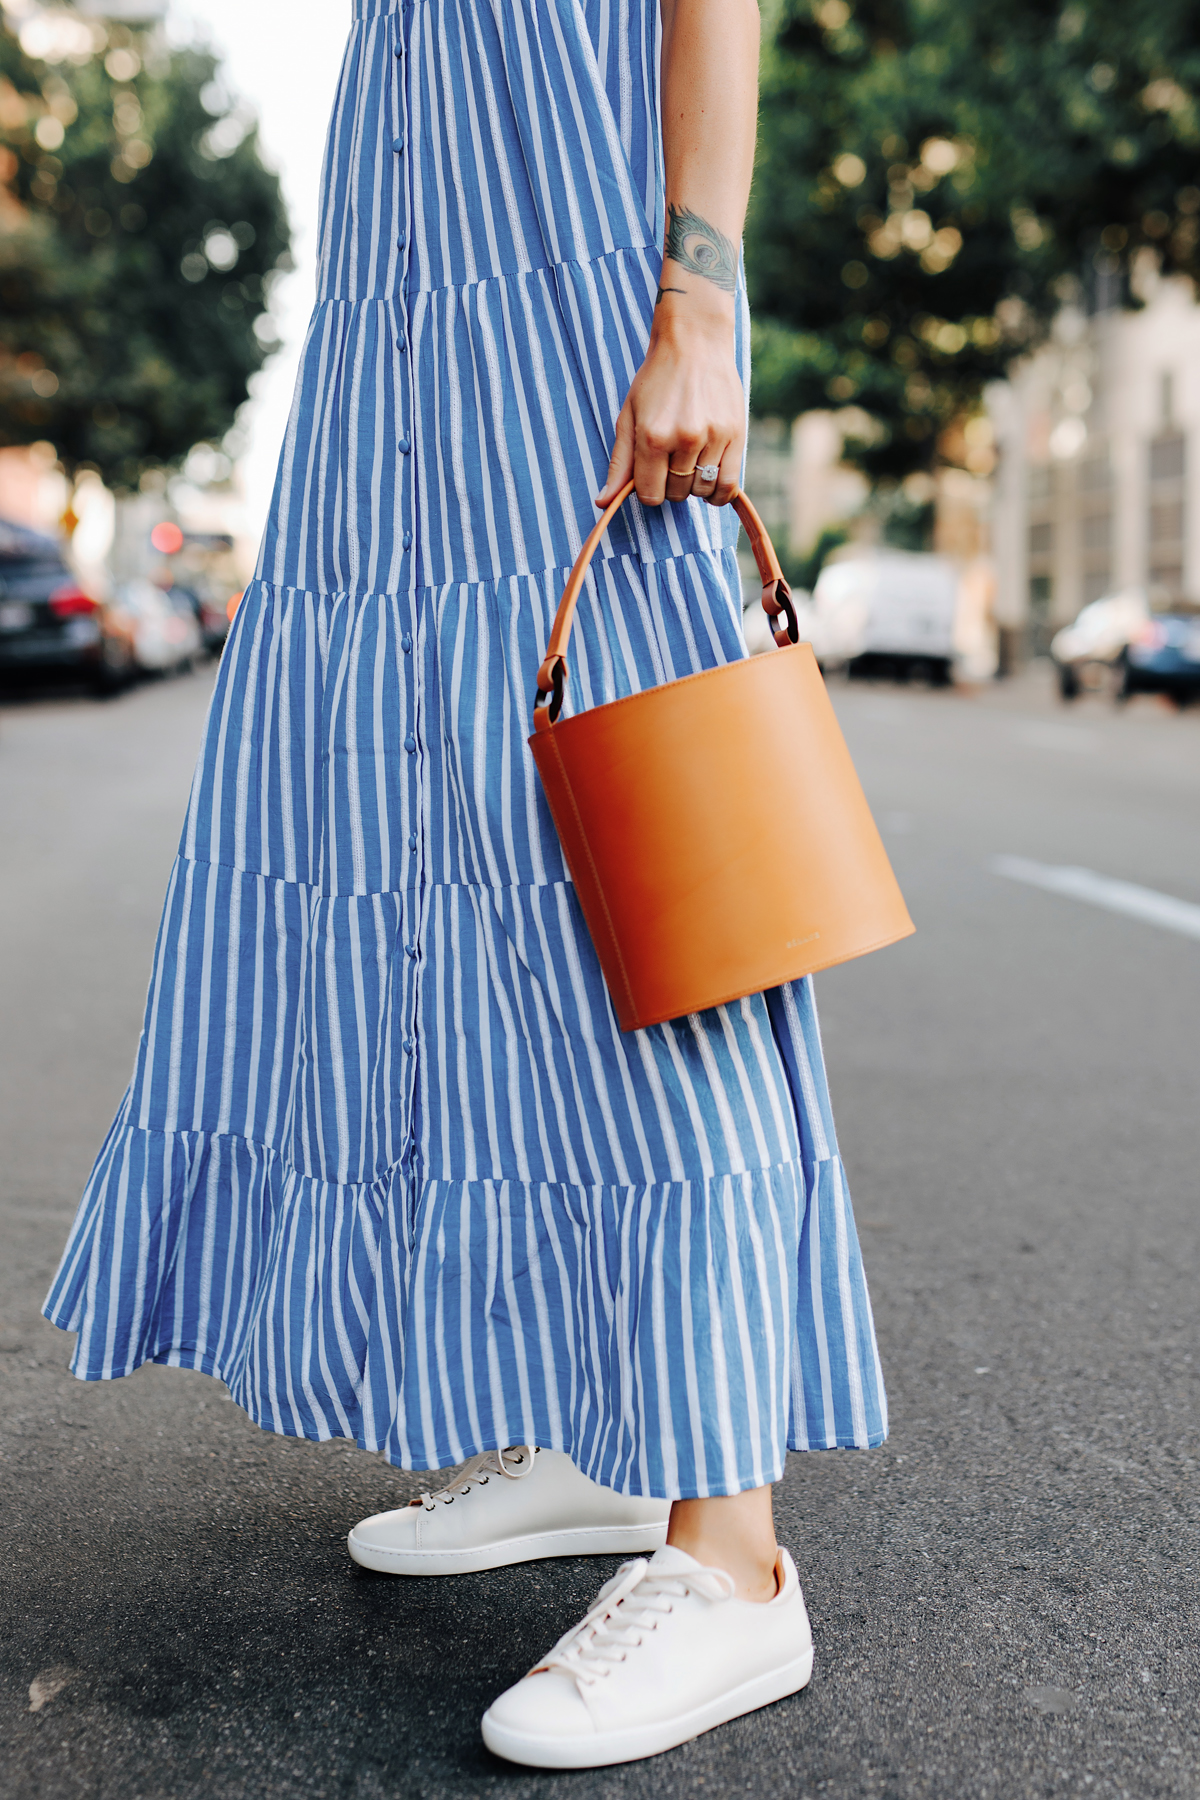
(666, 1653)
(508, 1506)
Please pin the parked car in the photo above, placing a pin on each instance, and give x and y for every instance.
(215, 620)
(212, 615)
(205, 565)
(887, 613)
(1089, 654)
(1164, 658)
(48, 625)
(162, 626)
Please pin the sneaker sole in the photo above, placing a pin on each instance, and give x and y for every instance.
(608, 1747)
(599, 1540)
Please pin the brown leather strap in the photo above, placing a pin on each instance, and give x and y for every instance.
(776, 599)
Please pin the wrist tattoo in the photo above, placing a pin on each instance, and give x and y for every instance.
(700, 248)
(663, 290)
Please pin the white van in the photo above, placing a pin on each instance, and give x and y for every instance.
(891, 612)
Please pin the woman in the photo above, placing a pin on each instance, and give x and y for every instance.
(387, 1166)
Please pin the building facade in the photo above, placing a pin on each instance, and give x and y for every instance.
(1097, 484)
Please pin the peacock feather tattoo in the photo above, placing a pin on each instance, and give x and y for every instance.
(700, 248)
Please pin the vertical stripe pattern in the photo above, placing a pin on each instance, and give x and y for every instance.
(387, 1166)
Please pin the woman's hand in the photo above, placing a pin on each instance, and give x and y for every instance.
(685, 412)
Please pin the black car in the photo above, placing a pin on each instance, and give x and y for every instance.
(48, 625)
(1164, 658)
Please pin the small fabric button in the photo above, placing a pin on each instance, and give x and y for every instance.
(413, 951)
(408, 1044)
(398, 144)
(410, 743)
(406, 540)
(399, 50)
(402, 342)
(400, 241)
(406, 643)
(404, 446)
(412, 840)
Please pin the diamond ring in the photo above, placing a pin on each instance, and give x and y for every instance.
(708, 471)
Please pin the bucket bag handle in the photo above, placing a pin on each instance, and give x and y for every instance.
(776, 599)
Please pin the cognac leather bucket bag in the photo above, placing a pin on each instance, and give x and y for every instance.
(715, 830)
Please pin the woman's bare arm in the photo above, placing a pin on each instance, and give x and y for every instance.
(686, 406)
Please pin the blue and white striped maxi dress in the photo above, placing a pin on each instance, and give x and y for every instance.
(387, 1166)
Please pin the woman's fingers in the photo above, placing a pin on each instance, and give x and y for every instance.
(665, 461)
(620, 463)
(679, 478)
(728, 476)
(708, 468)
(658, 456)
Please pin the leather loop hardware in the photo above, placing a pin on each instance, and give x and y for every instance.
(551, 682)
(776, 600)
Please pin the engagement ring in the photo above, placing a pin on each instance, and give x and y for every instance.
(708, 471)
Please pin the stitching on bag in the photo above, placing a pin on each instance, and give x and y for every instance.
(562, 769)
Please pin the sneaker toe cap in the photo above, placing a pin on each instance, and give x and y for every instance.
(545, 1705)
(386, 1531)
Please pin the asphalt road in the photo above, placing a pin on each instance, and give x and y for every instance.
(1004, 1596)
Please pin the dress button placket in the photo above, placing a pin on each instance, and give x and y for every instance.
(405, 490)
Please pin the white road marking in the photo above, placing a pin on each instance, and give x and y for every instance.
(1125, 897)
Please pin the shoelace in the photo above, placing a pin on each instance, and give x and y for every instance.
(633, 1603)
(478, 1472)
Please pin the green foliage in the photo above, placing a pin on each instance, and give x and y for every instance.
(904, 523)
(135, 255)
(802, 571)
(935, 176)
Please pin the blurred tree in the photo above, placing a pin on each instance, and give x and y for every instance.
(802, 571)
(936, 176)
(139, 232)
